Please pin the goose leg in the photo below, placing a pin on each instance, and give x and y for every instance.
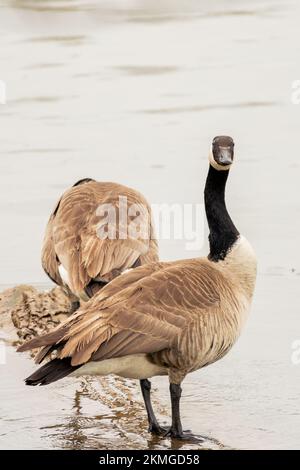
(176, 428)
(154, 427)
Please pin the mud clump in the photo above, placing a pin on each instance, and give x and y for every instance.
(25, 312)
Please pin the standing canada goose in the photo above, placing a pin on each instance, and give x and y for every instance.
(74, 255)
(163, 318)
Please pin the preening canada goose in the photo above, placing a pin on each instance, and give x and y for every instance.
(163, 318)
(76, 257)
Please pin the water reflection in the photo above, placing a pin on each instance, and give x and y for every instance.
(121, 426)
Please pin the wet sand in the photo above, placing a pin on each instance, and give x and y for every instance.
(129, 92)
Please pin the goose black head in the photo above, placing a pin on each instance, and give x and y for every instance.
(222, 152)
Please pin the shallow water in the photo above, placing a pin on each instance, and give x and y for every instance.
(132, 92)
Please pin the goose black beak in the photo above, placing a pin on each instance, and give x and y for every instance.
(225, 156)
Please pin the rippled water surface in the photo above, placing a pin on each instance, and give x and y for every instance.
(133, 91)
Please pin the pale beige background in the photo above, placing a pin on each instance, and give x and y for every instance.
(133, 92)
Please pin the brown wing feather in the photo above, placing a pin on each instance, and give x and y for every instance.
(146, 316)
(83, 254)
(49, 258)
(128, 279)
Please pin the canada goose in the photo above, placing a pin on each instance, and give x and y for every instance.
(163, 318)
(73, 254)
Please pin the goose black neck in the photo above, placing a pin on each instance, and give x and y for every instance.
(222, 232)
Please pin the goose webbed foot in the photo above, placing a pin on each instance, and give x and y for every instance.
(155, 428)
(183, 435)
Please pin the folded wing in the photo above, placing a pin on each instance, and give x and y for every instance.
(148, 314)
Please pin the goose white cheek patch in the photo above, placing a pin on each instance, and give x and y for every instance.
(64, 275)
